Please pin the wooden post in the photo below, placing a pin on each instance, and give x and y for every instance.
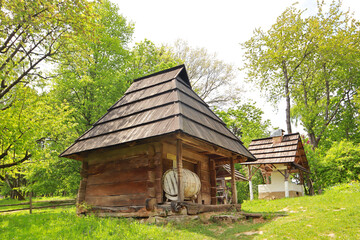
(198, 172)
(250, 183)
(158, 177)
(286, 183)
(180, 183)
(212, 182)
(30, 202)
(233, 182)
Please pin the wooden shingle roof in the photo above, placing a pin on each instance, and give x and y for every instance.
(288, 150)
(156, 105)
(224, 171)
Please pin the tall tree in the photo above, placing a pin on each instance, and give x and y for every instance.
(211, 78)
(325, 90)
(312, 62)
(32, 32)
(33, 126)
(92, 83)
(274, 57)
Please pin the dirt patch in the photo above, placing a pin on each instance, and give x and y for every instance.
(258, 220)
(250, 233)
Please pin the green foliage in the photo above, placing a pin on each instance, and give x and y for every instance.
(33, 129)
(334, 165)
(245, 121)
(33, 36)
(340, 164)
(32, 32)
(93, 83)
(242, 187)
(146, 58)
(312, 61)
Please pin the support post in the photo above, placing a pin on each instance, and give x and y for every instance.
(82, 188)
(286, 183)
(213, 188)
(250, 183)
(180, 183)
(233, 182)
(198, 172)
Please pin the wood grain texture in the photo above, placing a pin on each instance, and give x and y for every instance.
(119, 176)
(117, 189)
(212, 182)
(120, 200)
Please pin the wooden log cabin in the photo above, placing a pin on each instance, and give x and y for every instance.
(159, 124)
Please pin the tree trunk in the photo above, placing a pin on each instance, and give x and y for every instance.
(15, 193)
(287, 96)
(313, 140)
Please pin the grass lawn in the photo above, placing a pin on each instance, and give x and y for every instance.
(333, 215)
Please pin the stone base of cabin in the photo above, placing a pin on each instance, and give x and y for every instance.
(162, 210)
(278, 195)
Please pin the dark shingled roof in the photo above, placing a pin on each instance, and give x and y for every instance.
(155, 105)
(289, 150)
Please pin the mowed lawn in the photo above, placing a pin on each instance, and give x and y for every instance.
(333, 215)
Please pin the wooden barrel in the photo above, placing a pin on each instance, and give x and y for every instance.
(190, 180)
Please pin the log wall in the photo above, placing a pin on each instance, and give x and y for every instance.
(124, 177)
(128, 176)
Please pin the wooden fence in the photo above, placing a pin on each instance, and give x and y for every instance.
(55, 203)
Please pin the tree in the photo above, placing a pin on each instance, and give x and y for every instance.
(324, 96)
(146, 58)
(32, 127)
(210, 77)
(274, 57)
(92, 83)
(339, 164)
(33, 32)
(314, 62)
(33, 35)
(245, 121)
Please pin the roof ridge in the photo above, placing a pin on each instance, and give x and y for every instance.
(290, 134)
(161, 72)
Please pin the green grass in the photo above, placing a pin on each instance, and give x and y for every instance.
(222, 231)
(64, 224)
(7, 201)
(333, 215)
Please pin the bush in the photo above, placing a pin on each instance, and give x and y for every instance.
(340, 164)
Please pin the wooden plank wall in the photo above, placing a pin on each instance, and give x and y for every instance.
(196, 163)
(123, 177)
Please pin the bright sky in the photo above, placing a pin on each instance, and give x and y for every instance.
(219, 26)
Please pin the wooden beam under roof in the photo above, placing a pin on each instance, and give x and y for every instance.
(207, 148)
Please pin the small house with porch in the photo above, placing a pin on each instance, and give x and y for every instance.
(157, 147)
(283, 164)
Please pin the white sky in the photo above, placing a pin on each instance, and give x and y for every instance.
(219, 26)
